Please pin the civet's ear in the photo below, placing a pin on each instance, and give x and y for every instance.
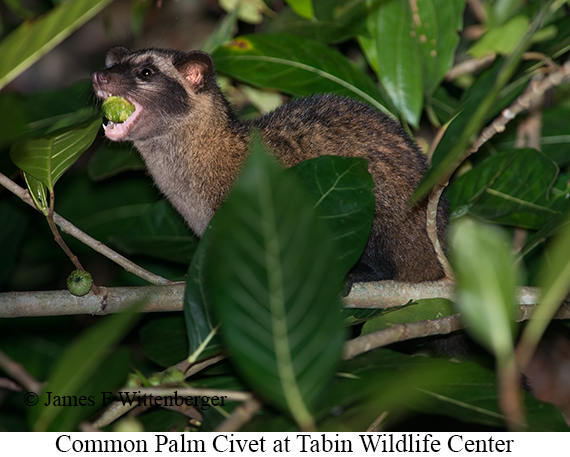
(115, 55)
(197, 67)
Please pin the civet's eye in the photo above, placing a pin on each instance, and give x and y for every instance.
(146, 72)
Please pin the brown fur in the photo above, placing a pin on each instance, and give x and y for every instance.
(194, 147)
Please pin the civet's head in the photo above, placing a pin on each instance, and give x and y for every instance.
(162, 84)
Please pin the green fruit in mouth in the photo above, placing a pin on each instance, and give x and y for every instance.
(79, 282)
(117, 109)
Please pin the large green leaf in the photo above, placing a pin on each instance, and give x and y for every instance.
(486, 280)
(296, 66)
(274, 281)
(437, 27)
(411, 46)
(341, 188)
(33, 39)
(47, 158)
(511, 188)
(393, 53)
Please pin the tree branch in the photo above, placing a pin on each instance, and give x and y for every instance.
(116, 299)
(70, 229)
(381, 294)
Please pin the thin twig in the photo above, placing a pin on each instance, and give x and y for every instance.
(8, 384)
(443, 326)
(469, 66)
(117, 409)
(68, 228)
(199, 366)
(431, 227)
(376, 426)
(63, 245)
(229, 395)
(534, 91)
(400, 332)
(240, 416)
(19, 373)
(510, 395)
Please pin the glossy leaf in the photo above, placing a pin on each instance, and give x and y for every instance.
(47, 158)
(511, 188)
(33, 39)
(393, 53)
(436, 30)
(273, 279)
(411, 46)
(486, 280)
(296, 66)
(341, 188)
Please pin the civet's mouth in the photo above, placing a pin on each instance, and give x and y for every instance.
(116, 131)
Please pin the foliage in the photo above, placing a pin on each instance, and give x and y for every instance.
(264, 282)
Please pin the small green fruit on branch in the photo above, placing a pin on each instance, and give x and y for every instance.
(117, 109)
(79, 282)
